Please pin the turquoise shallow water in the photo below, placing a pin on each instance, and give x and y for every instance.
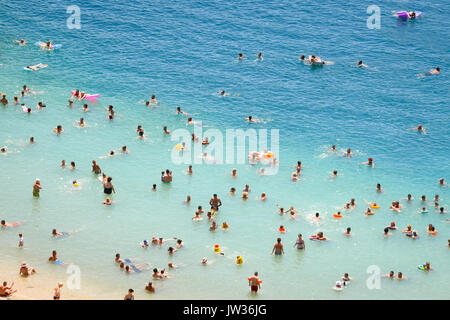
(185, 54)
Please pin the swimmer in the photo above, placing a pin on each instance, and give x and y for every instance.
(386, 232)
(150, 287)
(408, 229)
(419, 129)
(5, 224)
(75, 183)
(153, 99)
(72, 165)
(260, 57)
(232, 191)
(338, 215)
(427, 267)
(233, 173)
(240, 56)
(423, 198)
(334, 174)
(333, 148)
(250, 119)
(118, 259)
(26, 109)
(53, 257)
(432, 230)
(141, 135)
(124, 150)
(379, 189)
(412, 235)
(85, 107)
(81, 122)
(205, 141)
(424, 210)
(369, 212)
(278, 248)
(316, 216)
(58, 129)
(25, 270)
(392, 226)
(370, 162)
(40, 105)
(441, 182)
(165, 130)
(197, 217)
(434, 71)
(188, 199)
(32, 140)
(107, 202)
(295, 177)
(145, 244)
(390, 275)
(36, 67)
(409, 198)
(346, 278)
(20, 42)
(244, 195)
(181, 111)
(58, 234)
(225, 226)
(280, 210)
(282, 229)
(171, 250)
(180, 243)
(189, 170)
(16, 100)
(319, 236)
(263, 197)
(348, 153)
(213, 226)
(199, 210)
(347, 232)
(361, 64)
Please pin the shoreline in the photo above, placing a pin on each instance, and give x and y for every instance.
(39, 286)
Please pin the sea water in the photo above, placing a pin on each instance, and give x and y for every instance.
(185, 53)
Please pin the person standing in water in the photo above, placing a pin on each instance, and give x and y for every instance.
(129, 295)
(254, 282)
(108, 187)
(57, 295)
(300, 243)
(215, 202)
(36, 188)
(278, 247)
